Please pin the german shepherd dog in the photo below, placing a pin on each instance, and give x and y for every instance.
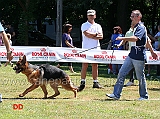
(42, 75)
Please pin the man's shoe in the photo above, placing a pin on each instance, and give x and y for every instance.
(96, 85)
(11, 64)
(82, 86)
(129, 84)
(148, 75)
(112, 96)
(142, 98)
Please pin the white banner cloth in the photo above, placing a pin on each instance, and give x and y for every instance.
(61, 54)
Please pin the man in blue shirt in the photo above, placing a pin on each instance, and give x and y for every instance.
(136, 58)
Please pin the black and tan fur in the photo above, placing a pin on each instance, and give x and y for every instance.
(42, 75)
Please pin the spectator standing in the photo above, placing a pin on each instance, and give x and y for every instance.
(67, 42)
(157, 37)
(157, 47)
(117, 33)
(9, 29)
(136, 58)
(91, 33)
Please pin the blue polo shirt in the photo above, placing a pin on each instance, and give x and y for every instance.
(138, 52)
(64, 38)
(114, 41)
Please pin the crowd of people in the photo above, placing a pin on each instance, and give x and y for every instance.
(136, 40)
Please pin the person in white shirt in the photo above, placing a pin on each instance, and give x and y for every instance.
(91, 33)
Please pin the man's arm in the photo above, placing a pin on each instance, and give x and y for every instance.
(96, 36)
(148, 45)
(131, 38)
(6, 42)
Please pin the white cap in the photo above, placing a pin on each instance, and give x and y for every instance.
(91, 12)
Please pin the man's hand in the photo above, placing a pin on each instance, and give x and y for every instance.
(9, 56)
(154, 55)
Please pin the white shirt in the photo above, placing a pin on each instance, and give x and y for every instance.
(88, 43)
(128, 34)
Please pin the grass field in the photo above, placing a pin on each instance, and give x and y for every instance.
(90, 103)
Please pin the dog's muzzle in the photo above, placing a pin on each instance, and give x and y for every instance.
(17, 70)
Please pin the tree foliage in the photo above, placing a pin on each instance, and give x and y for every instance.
(109, 13)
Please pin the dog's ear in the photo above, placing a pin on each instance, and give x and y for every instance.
(24, 59)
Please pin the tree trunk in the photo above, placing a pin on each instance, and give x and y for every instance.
(122, 11)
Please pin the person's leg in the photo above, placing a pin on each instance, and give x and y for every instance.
(140, 73)
(94, 71)
(83, 76)
(84, 70)
(119, 66)
(95, 76)
(158, 71)
(70, 67)
(11, 63)
(131, 79)
(6, 63)
(60, 64)
(114, 69)
(148, 74)
(126, 67)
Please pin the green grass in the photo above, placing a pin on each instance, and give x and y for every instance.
(90, 103)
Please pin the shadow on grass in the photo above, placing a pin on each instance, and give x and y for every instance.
(109, 99)
(18, 98)
(154, 89)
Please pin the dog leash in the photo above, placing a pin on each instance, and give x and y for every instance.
(91, 49)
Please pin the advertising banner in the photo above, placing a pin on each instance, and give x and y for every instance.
(61, 54)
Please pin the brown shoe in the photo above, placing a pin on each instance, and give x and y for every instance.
(96, 85)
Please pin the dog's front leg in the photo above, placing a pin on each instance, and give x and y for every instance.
(32, 87)
(44, 91)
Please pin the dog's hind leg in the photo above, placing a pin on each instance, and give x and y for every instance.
(69, 87)
(32, 87)
(55, 88)
(44, 91)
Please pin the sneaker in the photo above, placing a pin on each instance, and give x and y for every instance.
(73, 72)
(112, 96)
(82, 86)
(142, 98)
(96, 85)
(148, 75)
(11, 64)
(130, 84)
